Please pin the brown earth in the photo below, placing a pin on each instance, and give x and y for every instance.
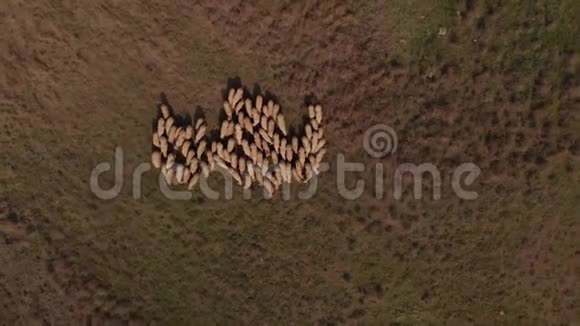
(489, 82)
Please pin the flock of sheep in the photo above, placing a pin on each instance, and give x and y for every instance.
(253, 144)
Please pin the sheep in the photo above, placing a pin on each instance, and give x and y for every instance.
(231, 145)
(186, 176)
(276, 142)
(234, 160)
(308, 131)
(314, 143)
(220, 162)
(308, 170)
(306, 144)
(259, 103)
(254, 152)
(274, 157)
(248, 106)
(200, 122)
(258, 139)
(228, 110)
(265, 137)
(185, 148)
(239, 133)
(193, 181)
(179, 142)
(201, 149)
(169, 175)
(246, 148)
(247, 181)
(311, 112)
(255, 117)
(301, 155)
(241, 116)
(283, 151)
(179, 173)
(299, 168)
(259, 178)
(270, 108)
(189, 132)
(289, 152)
(318, 113)
(211, 161)
(320, 146)
(156, 159)
(288, 172)
(170, 161)
(312, 159)
(163, 145)
(320, 156)
(264, 122)
(296, 175)
(160, 126)
(164, 110)
(193, 165)
(268, 186)
(251, 171)
(295, 144)
(314, 124)
(172, 134)
(248, 125)
(231, 129)
(190, 156)
(271, 127)
(237, 97)
(235, 175)
(168, 124)
(156, 142)
(227, 156)
(239, 106)
(220, 149)
(231, 94)
(204, 169)
(242, 165)
(282, 124)
(200, 133)
(283, 145)
(224, 129)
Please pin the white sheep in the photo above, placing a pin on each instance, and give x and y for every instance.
(161, 126)
(156, 159)
(228, 110)
(193, 181)
(168, 124)
(259, 103)
(164, 111)
(156, 142)
(318, 110)
(282, 124)
(179, 168)
(170, 161)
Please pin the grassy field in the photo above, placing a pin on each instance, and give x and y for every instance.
(491, 82)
